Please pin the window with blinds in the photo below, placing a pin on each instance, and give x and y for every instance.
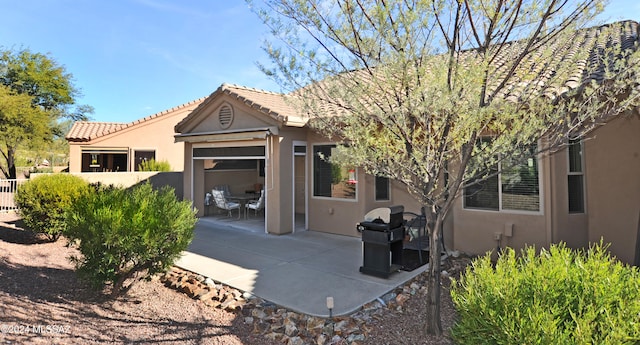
(515, 188)
(575, 177)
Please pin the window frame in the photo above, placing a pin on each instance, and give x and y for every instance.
(570, 173)
(375, 188)
(313, 177)
(501, 209)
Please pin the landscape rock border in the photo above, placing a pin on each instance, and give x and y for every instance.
(287, 327)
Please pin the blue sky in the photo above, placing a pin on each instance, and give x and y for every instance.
(134, 58)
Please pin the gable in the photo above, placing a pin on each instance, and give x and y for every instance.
(250, 108)
(227, 115)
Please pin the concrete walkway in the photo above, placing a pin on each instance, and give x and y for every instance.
(297, 271)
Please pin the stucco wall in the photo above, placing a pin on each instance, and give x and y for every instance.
(569, 228)
(129, 179)
(613, 185)
(474, 231)
(154, 134)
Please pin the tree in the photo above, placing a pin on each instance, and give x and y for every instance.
(51, 97)
(20, 122)
(444, 95)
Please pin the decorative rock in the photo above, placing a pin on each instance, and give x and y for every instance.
(321, 339)
(286, 327)
(315, 324)
(275, 336)
(337, 340)
(295, 341)
(259, 314)
(340, 327)
(389, 297)
(206, 294)
(190, 289)
(355, 337)
(401, 299)
(260, 327)
(211, 303)
(291, 330)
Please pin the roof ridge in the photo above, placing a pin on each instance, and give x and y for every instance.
(165, 111)
(227, 86)
(152, 116)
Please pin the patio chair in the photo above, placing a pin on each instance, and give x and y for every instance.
(416, 229)
(224, 188)
(222, 203)
(256, 205)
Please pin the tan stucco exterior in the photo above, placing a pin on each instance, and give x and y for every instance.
(154, 133)
(611, 173)
(613, 185)
(611, 158)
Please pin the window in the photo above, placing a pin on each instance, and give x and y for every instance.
(382, 188)
(515, 188)
(332, 180)
(104, 160)
(142, 156)
(575, 177)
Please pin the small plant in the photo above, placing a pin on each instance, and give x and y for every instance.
(153, 165)
(560, 296)
(128, 235)
(44, 200)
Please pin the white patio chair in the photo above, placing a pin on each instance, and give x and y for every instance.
(256, 205)
(224, 188)
(222, 203)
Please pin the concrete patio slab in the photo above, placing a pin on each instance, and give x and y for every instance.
(297, 271)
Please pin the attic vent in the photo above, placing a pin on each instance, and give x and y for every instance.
(225, 116)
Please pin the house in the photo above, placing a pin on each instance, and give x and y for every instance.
(246, 138)
(121, 147)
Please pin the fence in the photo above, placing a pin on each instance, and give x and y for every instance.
(7, 192)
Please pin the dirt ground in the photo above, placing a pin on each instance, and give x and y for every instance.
(43, 302)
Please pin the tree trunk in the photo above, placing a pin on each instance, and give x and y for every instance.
(434, 326)
(11, 163)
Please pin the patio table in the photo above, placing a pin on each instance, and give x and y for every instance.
(242, 199)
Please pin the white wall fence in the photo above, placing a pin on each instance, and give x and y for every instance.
(7, 192)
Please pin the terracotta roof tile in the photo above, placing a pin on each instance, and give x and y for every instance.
(82, 131)
(274, 104)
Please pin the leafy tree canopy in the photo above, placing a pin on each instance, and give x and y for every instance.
(38, 94)
(411, 87)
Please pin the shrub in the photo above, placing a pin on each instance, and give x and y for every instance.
(557, 297)
(44, 200)
(153, 165)
(128, 235)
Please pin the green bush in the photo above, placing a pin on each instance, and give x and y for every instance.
(557, 297)
(153, 165)
(128, 235)
(44, 200)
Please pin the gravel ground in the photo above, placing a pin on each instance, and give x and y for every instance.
(42, 302)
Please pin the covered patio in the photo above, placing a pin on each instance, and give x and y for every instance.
(297, 271)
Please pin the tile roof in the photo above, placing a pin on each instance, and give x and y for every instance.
(83, 131)
(552, 70)
(270, 103)
(584, 54)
